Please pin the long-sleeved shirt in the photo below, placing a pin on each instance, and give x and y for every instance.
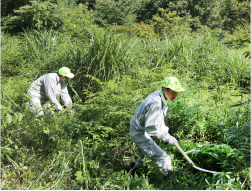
(47, 87)
(149, 117)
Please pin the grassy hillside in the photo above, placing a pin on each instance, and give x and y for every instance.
(115, 68)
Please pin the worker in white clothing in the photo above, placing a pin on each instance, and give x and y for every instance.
(50, 87)
(148, 121)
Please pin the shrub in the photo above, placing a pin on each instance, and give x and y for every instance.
(37, 15)
(8, 6)
(77, 21)
(137, 29)
(169, 23)
(40, 15)
(240, 37)
(121, 12)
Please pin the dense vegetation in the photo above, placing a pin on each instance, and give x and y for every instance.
(120, 51)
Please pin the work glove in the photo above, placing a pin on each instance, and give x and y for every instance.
(166, 129)
(170, 139)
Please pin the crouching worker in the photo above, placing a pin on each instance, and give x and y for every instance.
(148, 121)
(50, 87)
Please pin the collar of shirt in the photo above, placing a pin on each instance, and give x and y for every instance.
(164, 100)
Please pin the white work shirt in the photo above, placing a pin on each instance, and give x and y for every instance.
(47, 87)
(149, 117)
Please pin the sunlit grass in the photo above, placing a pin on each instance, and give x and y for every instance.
(113, 74)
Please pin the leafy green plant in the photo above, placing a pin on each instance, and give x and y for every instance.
(220, 157)
(114, 72)
(169, 23)
(11, 51)
(112, 12)
(37, 15)
(77, 21)
(240, 37)
(4, 152)
(137, 29)
(8, 6)
(184, 118)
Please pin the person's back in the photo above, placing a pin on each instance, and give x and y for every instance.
(41, 86)
(145, 109)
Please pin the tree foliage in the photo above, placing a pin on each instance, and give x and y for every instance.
(223, 14)
(38, 15)
(115, 12)
(240, 37)
(167, 22)
(8, 6)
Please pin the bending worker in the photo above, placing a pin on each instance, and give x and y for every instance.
(50, 87)
(148, 121)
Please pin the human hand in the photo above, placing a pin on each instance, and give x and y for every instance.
(171, 140)
(166, 129)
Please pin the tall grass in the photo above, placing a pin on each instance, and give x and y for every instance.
(113, 74)
(106, 54)
(11, 55)
(41, 50)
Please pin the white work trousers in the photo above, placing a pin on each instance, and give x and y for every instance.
(146, 147)
(36, 106)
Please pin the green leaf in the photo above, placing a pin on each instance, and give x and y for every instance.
(10, 141)
(15, 117)
(78, 173)
(8, 118)
(20, 117)
(46, 131)
(79, 176)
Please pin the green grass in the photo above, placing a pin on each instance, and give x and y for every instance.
(113, 74)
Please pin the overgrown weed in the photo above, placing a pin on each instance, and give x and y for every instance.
(92, 149)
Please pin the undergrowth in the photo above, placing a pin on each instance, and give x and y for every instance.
(114, 73)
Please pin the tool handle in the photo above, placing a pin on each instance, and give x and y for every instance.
(181, 150)
(183, 153)
(191, 162)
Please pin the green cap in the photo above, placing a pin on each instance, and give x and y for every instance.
(64, 71)
(172, 83)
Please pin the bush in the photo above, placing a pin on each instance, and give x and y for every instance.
(9, 5)
(240, 39)
(78, 22)
(37, 15)
(45, 15)
(137, 29)
(121, 12)
(167, 22)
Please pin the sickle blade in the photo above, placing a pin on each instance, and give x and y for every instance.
(201, 169)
